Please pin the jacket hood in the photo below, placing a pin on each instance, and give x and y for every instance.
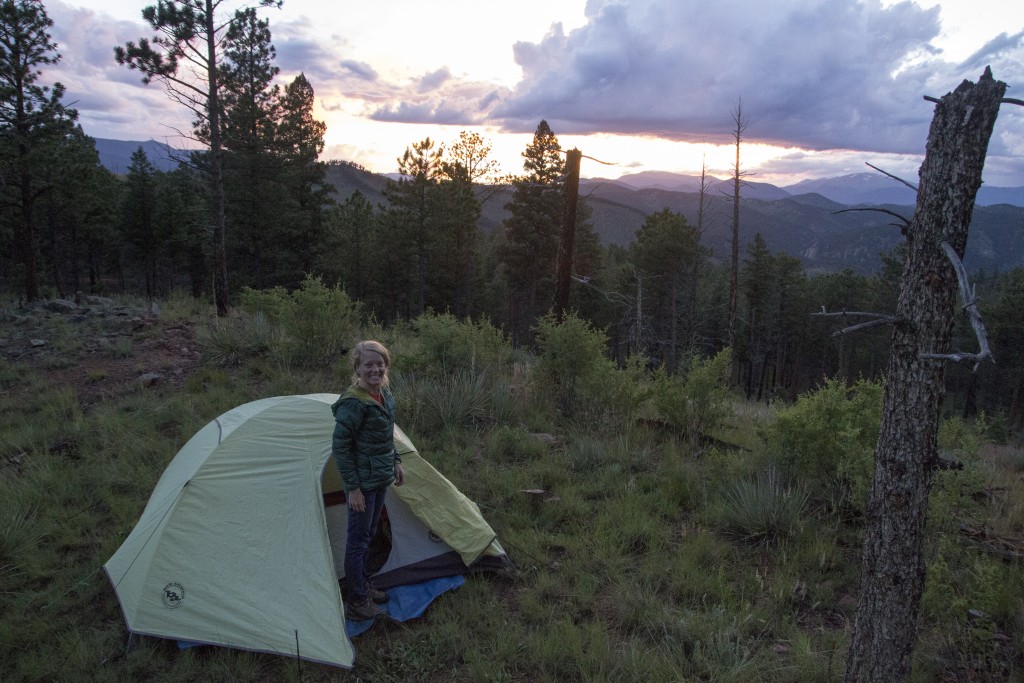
(353, 391)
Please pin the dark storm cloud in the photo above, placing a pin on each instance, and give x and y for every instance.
(816, 74)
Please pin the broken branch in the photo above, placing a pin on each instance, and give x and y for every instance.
(879, 319)
(971, 306)
(906, 221)
(896, 178)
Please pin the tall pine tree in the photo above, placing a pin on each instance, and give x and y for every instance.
(528, 245)
(33, 121)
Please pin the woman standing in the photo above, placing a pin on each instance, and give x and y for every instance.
(364, 451)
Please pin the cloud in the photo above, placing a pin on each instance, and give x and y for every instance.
(815, 74)
(438, 98)
(359, 69)
(111, 100)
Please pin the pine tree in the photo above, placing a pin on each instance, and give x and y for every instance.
(190, 34)
(529, 243)
(412, 201)
(33, 120)
(138, 217)
(250, 103)
(303, 178)
(665, 255)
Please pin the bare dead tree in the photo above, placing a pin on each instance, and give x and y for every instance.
(734, 259)
(570, 200)
(892, 566)
(703, 198)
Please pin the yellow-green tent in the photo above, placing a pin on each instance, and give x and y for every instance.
(242, 541)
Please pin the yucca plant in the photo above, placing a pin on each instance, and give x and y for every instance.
(761, 510)
(230, 343)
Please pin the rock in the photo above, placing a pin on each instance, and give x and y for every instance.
(60, 305)
(549, 439)
(38, 342)
(96, 300)
(150, 378)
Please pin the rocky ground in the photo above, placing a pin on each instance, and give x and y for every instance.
(95, 345)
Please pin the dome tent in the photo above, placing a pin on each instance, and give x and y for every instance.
(234, 547)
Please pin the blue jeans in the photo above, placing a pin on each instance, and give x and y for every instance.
(362, 527)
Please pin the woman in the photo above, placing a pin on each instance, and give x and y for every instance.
(364, 450)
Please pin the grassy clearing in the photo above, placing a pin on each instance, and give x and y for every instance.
(651, 555)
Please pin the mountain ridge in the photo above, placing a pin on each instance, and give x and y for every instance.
(806, 220)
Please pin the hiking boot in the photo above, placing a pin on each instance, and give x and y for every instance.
(375, 594)
(363, 611)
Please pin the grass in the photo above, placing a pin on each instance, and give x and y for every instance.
(646, 558)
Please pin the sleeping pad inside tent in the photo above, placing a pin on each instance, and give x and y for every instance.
(242, 541)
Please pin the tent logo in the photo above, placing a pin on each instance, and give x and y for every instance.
(173, 595)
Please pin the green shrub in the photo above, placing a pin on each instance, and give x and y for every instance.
(828, 438)
(696, 402)
(320, 323)
(571, 359)
(446, 344)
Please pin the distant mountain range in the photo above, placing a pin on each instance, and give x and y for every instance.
(810, 220)
(116, 155)
(872, 189)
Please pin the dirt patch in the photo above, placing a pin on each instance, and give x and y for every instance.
(97, 351)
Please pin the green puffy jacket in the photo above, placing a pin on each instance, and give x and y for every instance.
(364, 433)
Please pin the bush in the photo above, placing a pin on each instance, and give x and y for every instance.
(320, 323)
(697, 402)
(445, 344)
(571, 356)
(828, 438)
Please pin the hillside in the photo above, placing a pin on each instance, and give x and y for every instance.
(809, 226)
(801, 219)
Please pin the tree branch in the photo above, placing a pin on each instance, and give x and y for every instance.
(901, 180)
(971, 306)
(906, 221)
(878, 320)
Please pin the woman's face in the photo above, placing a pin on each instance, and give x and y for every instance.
(371, 370)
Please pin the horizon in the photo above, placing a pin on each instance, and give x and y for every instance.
(750, 178)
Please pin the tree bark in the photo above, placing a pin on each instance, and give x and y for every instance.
(893, 568)
(220, 258)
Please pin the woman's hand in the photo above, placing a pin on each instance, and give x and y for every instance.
(399, 474)
(356, 501)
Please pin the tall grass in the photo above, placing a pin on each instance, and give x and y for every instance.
(641, 555)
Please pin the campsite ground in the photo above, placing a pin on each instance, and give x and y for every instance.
(641, 554)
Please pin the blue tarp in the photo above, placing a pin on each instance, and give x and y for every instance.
(404, 603)
(408, 602)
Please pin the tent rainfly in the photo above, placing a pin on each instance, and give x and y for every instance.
(242, 541)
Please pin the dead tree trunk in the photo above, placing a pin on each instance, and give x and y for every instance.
(563, 275)
(893, 568)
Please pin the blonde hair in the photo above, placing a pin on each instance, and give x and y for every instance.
(357, 357)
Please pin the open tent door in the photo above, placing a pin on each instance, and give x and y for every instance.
(430, 529)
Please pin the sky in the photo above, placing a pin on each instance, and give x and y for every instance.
(825, 86)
